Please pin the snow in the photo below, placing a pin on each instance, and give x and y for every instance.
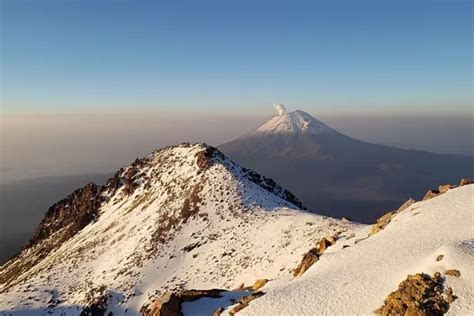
(356, 280)
(293, 122)
(206, 306)
(241, 233)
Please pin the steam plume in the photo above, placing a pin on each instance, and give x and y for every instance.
(280, 108)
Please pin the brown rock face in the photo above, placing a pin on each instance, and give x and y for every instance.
(431, 194)
(406, 205)
(465, 181)
(382, 222)
(72, 214)
(445, 188)
(312, 256)
(127, 177)
(308, 260)
(169, 304)
(419, 294)
(325, 243)
(259, 284)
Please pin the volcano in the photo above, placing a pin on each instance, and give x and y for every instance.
(336, 175)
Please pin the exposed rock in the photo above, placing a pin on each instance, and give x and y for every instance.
(308, 260)
(271, 186)
(465, 181)
(259, 284)
(325, 243)
(453, 272)
(382, 222)
(445, 188)
(406, 205)
(430, 194)
(64, 220)
(70, 215)
(204, 158)
(439, 258)
(244, 302)
(96, 302)
(218, 311)
(169, 304)
(128, 177)
(418, 294)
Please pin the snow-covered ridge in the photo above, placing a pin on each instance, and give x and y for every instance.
(183, 217)
(294, 122)
(356, 274)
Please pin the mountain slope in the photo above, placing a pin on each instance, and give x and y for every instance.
(183, 217)
(336, 175)
(429, 236)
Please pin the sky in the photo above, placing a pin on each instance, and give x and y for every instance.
(88, 86)
(327, 56)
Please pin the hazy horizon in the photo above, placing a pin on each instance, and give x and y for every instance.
(46, 145)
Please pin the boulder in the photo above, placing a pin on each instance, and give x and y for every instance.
(406, 205)
(465, 181)
(418, 294)
(445, 188)
(430, 194)
(382, 222)
(308, 260)
(259, 284)
(325, 243)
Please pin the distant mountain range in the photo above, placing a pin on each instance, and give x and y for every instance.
(337, 175)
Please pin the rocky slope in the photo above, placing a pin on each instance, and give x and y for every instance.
(184, 217)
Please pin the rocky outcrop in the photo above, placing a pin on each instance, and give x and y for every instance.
(419, 294)
(325, 243)
(382, 222)
(312, 256)
(169, 304)
(271, 186)
(406, 205)
(96, 302)
(431, 194)
(445, 188)
(244, 302)
(62, 221)
(206, 158)
(258, 284)
(70, 215)
(453, 272)
(129, 178)
(308, 260)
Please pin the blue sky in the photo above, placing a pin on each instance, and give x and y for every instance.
(373, 55)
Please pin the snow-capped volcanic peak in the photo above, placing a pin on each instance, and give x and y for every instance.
(293, 122)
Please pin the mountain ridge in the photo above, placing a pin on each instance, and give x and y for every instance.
(183, 217)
